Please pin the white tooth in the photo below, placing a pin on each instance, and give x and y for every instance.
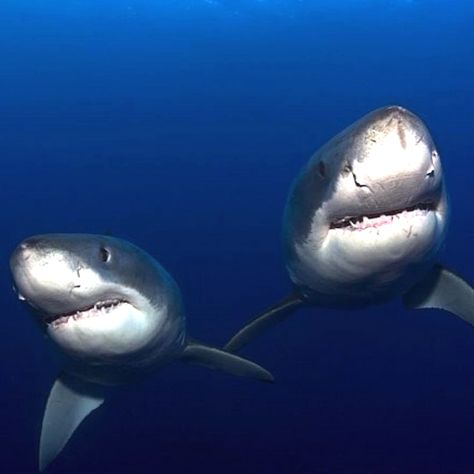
(352, 224)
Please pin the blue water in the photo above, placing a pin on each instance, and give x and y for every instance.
(180, 125)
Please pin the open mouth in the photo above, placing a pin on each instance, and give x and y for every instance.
(100, 308)
(381, 218)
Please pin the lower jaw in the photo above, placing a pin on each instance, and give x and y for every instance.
(363, 266)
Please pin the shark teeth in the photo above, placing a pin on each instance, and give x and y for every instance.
(99, 308)
(374, 220)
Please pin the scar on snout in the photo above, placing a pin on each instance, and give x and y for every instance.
(401, 135)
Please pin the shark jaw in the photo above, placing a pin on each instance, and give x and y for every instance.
(391, 238)
(105, 308)
(367, 258)
(376, 220)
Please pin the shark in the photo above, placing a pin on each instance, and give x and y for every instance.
(115, 313)
(364, 222)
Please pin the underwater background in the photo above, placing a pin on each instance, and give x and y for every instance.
(179, 125)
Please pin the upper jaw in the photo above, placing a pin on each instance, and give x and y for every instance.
(354, 221)
(351, 209)
(56, 310)
(96, 309)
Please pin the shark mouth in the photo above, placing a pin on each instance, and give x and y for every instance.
(100, 308)
(381, 218)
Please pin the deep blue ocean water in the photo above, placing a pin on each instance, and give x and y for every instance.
(179, 125)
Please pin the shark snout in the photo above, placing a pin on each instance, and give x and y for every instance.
(25, 250)
(395, 147)
(19, 255)
(42, 274)
(401, 123)
(31, 242)
(394, 114)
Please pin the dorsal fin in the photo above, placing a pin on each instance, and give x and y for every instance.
(267, 318)
(69, 402)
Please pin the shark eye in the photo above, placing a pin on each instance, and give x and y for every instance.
(322, 169)
(104, 254)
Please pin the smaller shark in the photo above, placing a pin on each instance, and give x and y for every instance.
(364, 222)
(115, 312)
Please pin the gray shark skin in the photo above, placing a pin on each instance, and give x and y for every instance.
(115, 312)
(364, 222)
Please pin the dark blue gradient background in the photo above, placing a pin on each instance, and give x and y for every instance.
(180, 125)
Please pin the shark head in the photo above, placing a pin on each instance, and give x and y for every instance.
(102, 299)
(369, 211)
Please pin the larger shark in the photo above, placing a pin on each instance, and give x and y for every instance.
(364, 222)
(115, 312)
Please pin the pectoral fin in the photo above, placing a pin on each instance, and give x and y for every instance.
(220, 360)
(69, 402)
(263, 321)
(443, 289)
